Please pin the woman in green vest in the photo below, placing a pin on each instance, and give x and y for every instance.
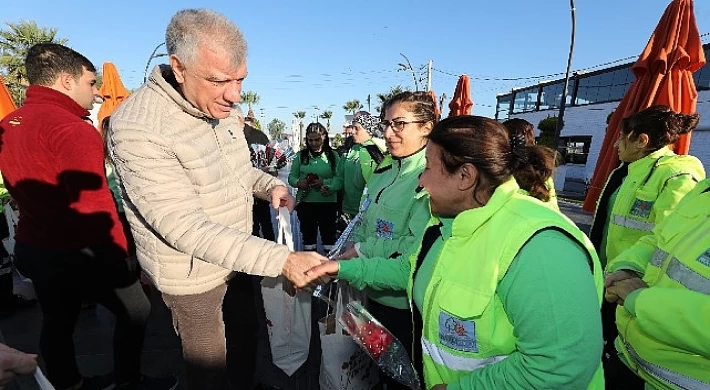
(398, 212)
(526, 131)
(662, 286)
(638, 195)
(315, 173)
(505, 291)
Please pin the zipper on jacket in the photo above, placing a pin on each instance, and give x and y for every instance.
(399, 170)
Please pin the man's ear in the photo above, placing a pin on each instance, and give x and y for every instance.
(178, 69)
(66, 81)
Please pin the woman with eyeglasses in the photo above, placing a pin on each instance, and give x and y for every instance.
(398, 211)
(506, 291)
(638, 195)
(315, 174)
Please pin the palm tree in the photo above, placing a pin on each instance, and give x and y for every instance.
(327, 114)
(352, 106)
(383, 97)
(300, 115)
(276, 128)
(250, 98)
(15, 41)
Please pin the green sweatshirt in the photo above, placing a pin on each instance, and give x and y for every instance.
(557, 335)
(320, 166)
(395, 220)
(358, 167)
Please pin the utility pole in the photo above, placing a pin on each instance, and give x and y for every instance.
(409, 68)
(428, 75)
(152, 55)
(563, 99)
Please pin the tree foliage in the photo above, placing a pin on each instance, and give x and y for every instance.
(276, 128)
(352, 106)
(15, 40)
(327, 114)
(383, 97)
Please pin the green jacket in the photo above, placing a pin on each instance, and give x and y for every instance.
(395, 219)
(469, 338)
(663, 329)
(358, 167)
(320, 166)
(651, 190)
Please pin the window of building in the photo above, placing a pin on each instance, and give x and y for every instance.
(575, 149)
(604, 87)
(551, 94)
(525, 100)
(503, 107)
(702, 75)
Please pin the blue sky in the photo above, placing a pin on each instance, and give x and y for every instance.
(324, 53)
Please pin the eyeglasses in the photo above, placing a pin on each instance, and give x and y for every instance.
(397, 125)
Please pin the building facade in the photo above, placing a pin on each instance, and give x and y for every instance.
(591, 98)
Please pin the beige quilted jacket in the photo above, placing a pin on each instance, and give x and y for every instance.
(187, 185)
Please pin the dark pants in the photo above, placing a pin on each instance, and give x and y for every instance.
(61, 279)
(399, 323)
(218, 331)
(262, 220)
(314, 217)
(6, 269)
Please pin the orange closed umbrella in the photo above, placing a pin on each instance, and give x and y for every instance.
(437, 111)
(7, 105)
(664, 75)
(461, 104)
(112, 91)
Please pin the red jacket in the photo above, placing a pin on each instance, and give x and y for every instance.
(53, 165)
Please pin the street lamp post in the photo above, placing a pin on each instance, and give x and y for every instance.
(152, 55)
(409, 68)
(563, 100)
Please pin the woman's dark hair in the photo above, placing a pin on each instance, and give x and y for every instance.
(521, 128)
(103, 130)
(484, 143)
(327, 149)
(420, 104)
(662, 125)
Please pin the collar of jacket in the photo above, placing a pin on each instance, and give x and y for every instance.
(412, 162)
(645, 163)
(469, 221)
(38, 94)
(163, 80)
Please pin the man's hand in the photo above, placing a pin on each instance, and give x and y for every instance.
(14, 362)
(324, 272)
(298, 263)
(324, 190)
(302, 184)
(621, 289)
(618, 276)
(280, 197)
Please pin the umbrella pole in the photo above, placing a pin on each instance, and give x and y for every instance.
(563, 99)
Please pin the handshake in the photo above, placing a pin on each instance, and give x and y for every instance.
(307, 269)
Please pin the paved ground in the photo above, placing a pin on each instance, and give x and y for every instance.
(161, 354)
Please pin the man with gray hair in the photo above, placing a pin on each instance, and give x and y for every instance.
(187, 184)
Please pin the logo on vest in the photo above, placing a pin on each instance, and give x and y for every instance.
(457, 334)
(384, 229)
(641, 208)
(704, 258)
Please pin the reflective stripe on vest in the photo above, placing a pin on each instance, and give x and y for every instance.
(681, 273)
(453, 362)
(666, 375)
(632, 223)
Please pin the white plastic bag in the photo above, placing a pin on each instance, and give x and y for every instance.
(288, 317)
(344, 365)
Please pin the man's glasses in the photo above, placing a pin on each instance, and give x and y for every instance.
(397, 125)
